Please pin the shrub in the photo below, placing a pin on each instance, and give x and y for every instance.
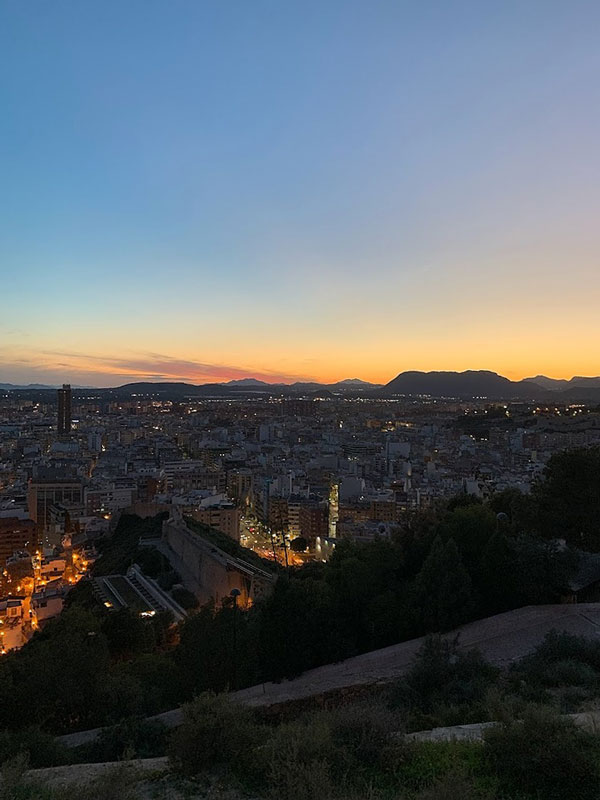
(119, 783)
(299, 759)
(298, 781)
(560, 661)
(562, 647)
(569, 673)
(545, 756)
(38, 748)
(429, 762)
(364, 733)
(184, 597)
(442, 675)
(215, 732)
(130, 738)
(453, 787)
(166, 580)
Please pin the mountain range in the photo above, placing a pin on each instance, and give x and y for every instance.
(463, 385)
(558, 384)
(486, 384)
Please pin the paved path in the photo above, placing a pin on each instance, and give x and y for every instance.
(502, 639)
(588, 720)
(81, 774)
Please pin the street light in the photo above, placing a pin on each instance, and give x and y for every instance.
(501, 519)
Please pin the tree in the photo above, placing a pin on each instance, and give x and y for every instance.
(60, 673)
(566, 502)
(496, 579)
(127, 634)
(299, 544)
(357, 575)
(442, 589)
(516, 506)
(300, 628)
(443, 675)
(471, 527)
(206, 651)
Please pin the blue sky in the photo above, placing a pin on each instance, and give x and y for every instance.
(298, 189)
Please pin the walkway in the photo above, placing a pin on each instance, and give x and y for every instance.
(502, 639)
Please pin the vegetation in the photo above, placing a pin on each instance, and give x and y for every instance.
(546, 756)
(114, 784)
(444, 686)
(359, 751)
(229, 545)
(447, 565)
(123, 548)
(566, 502)
(358, 748)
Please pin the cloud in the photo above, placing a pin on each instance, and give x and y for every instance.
(55, 366)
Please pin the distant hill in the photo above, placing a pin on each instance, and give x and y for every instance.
(168, 391)
(482, 383)
(472, 383)
(354, 384)
(12, 387)
(246, 382)
(560, 384)
(179, 391)
(463, 385)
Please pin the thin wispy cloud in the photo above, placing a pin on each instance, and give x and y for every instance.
(54, 365)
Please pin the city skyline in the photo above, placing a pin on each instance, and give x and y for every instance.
(298, 192)
(118, 379)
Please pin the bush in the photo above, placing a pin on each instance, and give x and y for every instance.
(150, 561)
(563, 647)
(299, 544)
(545, 756)
(114, 784)
(131, 738)
(441, 675)
(428, 763)
(452, 787)
(15, 786)
(119, 783)
(38, 748)
(364, 733)
(562, 661)
(166, 580)
(215, 732)
(569, 673)
(298, 758)
(184, 597)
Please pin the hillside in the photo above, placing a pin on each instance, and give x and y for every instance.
(486, 384)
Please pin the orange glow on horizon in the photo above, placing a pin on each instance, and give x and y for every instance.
(373, 354)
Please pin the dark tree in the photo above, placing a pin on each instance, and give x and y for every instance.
(442, 591)
(299, 544)
(566, 501)
(470, 527)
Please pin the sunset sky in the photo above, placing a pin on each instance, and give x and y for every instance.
(298, 189)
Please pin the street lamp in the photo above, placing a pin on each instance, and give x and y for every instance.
(501, 519)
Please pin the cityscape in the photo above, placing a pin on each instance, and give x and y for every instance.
(299, 400)
(287, 476)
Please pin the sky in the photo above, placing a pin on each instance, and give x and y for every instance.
(203, 190)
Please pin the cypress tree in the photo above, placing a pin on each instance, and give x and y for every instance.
(443, 591)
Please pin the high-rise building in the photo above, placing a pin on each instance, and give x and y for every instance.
(64, 410)
(46, 491)
(334, 508)
(17, 532)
